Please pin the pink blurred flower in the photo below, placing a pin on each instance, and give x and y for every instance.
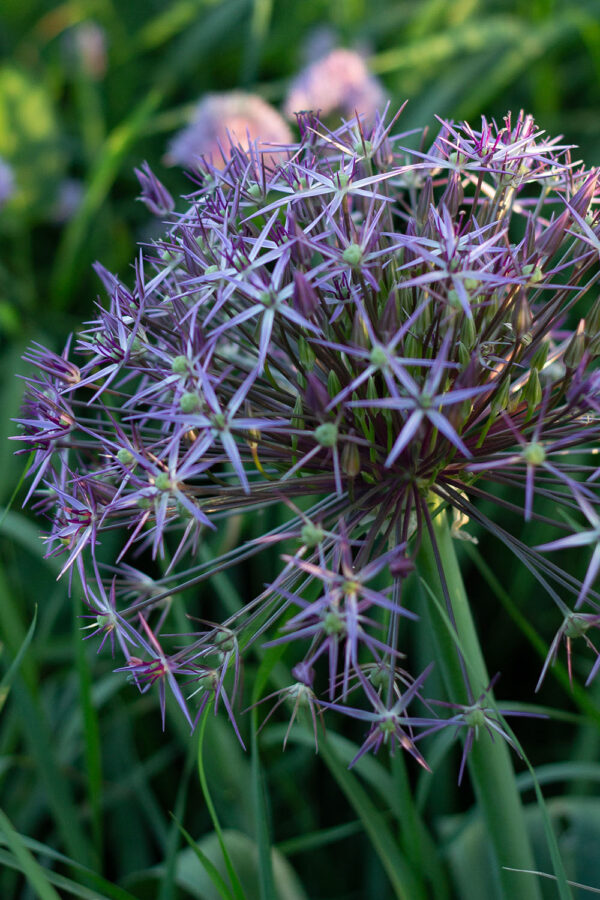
(86, 44)
(339, 83)
(223, 120)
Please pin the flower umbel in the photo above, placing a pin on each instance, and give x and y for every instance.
(364, 333)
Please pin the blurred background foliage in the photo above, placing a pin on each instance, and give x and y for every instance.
(88, 90)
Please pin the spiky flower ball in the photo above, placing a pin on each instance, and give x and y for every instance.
(371, 331)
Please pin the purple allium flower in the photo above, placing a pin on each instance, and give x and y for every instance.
(359, 333)
(224, 121)
(7, 182)
(337, 84)
(69, 195)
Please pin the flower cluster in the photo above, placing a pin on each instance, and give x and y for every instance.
(366, 331)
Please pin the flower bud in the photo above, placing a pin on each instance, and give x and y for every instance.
(350, 460)
(592, 320)
(501, 398)
(550, 240)
(521, 318)
(464, 356)
(316, 397)
(305, 298)
(538, 360)
(533, 390)
(454, 195)
(575, 348)
(359, 335)
(580, 201)
(306, 354)
(154, 194)
(425, 201)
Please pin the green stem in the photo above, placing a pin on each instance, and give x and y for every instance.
(490, 765)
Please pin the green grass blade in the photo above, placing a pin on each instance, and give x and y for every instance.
(238, 891)
(73, 888)
(91, 732)
(17, 487)
(265, 853)
(36, 730)
(27, 864)
(9, 675)
(402, 879)
(167, 886)
(208, 866)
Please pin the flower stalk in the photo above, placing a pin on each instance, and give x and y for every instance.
(489, 762)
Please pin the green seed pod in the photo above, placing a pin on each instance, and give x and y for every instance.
(225, 640)
(180, 365)
(353, 255)
(363, 148)
(378, 357)
(125, 457)
(311, 534)
(533, 454)
(534, 272)
(190, 402)
(163, 482)
(255, 190)
(327, 434)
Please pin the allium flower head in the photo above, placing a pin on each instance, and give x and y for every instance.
(337, 84)
(365, 334)
(227, 120)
